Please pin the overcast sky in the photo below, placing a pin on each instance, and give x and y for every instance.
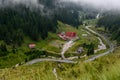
(104, 4)
(26, 2)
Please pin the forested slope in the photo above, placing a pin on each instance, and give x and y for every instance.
(24, 23)
(14, 25)
(111, 23)
(19, 20)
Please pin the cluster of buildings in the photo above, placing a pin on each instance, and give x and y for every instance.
(64, 36)
(67, 35)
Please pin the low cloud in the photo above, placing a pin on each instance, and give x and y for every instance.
(101, 4)
(30, 3)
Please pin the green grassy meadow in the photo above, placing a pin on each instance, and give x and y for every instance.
(104, 68)
(52, 44)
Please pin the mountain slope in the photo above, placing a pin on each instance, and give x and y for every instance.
(105, 68)
(110, 21)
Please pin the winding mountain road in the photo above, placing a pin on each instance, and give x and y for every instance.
(47, 59)
(111, 45)
(70, 43)
(66, 46)
(101, 46)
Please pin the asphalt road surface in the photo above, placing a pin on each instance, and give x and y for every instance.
(111, 45)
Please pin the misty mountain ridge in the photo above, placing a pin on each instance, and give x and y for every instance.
(39, 11)
(34, 22)
(70, 34)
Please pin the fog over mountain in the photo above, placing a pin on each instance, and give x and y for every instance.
(8, 3)
(99, 4)
(102, 4)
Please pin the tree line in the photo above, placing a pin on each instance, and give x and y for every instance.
(111, 23)
(15, 25)
(21, 21)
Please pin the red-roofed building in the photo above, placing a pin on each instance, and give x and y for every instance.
(31, 46)
(70, 34)
(62, 36)
(67, 35)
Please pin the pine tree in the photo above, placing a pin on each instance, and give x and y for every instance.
(3, 47)
(90, 49)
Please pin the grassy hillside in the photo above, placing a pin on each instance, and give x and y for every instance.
(51, 46)
(80, 31)
(104, 68)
